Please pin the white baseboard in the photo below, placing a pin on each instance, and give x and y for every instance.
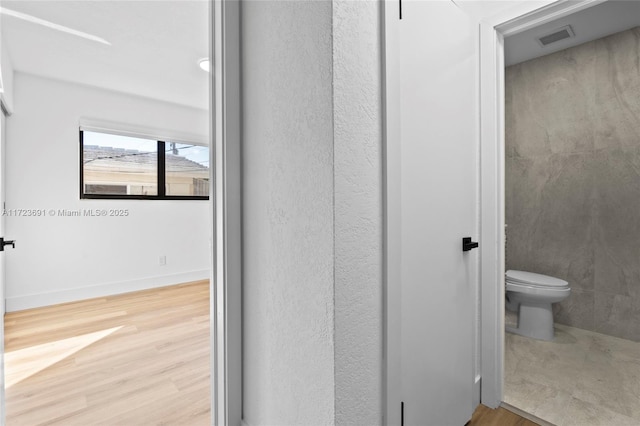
(20, 303)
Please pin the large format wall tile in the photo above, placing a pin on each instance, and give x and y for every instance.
(617, 87)
(573, 178)
(576, 310)
(549, 217)
(617, 247)
(551, 101)
(617, 315)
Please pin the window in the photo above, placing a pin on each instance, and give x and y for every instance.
(123, 167)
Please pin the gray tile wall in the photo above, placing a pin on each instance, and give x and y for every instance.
(573, 178)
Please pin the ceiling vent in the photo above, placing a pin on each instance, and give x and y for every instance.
(556, 35)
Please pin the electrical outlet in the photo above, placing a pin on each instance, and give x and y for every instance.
(163, 260)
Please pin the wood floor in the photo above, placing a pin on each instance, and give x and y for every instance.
(135, 359)
(485, 416)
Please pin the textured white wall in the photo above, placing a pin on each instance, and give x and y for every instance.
(288, 226)
(61, 258)
(312, 213)
(358, 211)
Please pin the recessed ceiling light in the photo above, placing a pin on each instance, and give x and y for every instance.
(52, 25)
(205, 64)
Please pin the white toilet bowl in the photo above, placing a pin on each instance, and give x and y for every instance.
(532, 295)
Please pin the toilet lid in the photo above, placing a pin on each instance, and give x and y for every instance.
(532, 278)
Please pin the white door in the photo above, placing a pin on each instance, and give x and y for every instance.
(434, 179)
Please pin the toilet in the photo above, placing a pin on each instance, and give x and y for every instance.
(531, 295)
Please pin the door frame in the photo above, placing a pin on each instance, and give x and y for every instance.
(226, 213)
(492, 174)
(391, 330)
(4, 113)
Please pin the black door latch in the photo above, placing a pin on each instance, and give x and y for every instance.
(4, 242)
(467, 244)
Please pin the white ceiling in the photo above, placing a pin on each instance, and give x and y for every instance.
(155, 45)
(590, 24)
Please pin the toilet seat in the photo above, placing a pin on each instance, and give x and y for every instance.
(538, 289)
(533, 280)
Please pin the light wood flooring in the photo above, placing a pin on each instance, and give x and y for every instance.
(485, 416)
(135, 359)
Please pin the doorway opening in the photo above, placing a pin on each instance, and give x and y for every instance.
(570, 149)
(118, 94)
(496, 36)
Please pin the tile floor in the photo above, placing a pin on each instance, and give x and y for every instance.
(582, 378)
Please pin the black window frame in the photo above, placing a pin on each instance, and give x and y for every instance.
(161, 181)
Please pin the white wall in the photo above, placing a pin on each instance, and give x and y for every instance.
(65, 258)
(6, 71)
(288, 242)
(312, 220)
(357, 119)
(500, 11)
